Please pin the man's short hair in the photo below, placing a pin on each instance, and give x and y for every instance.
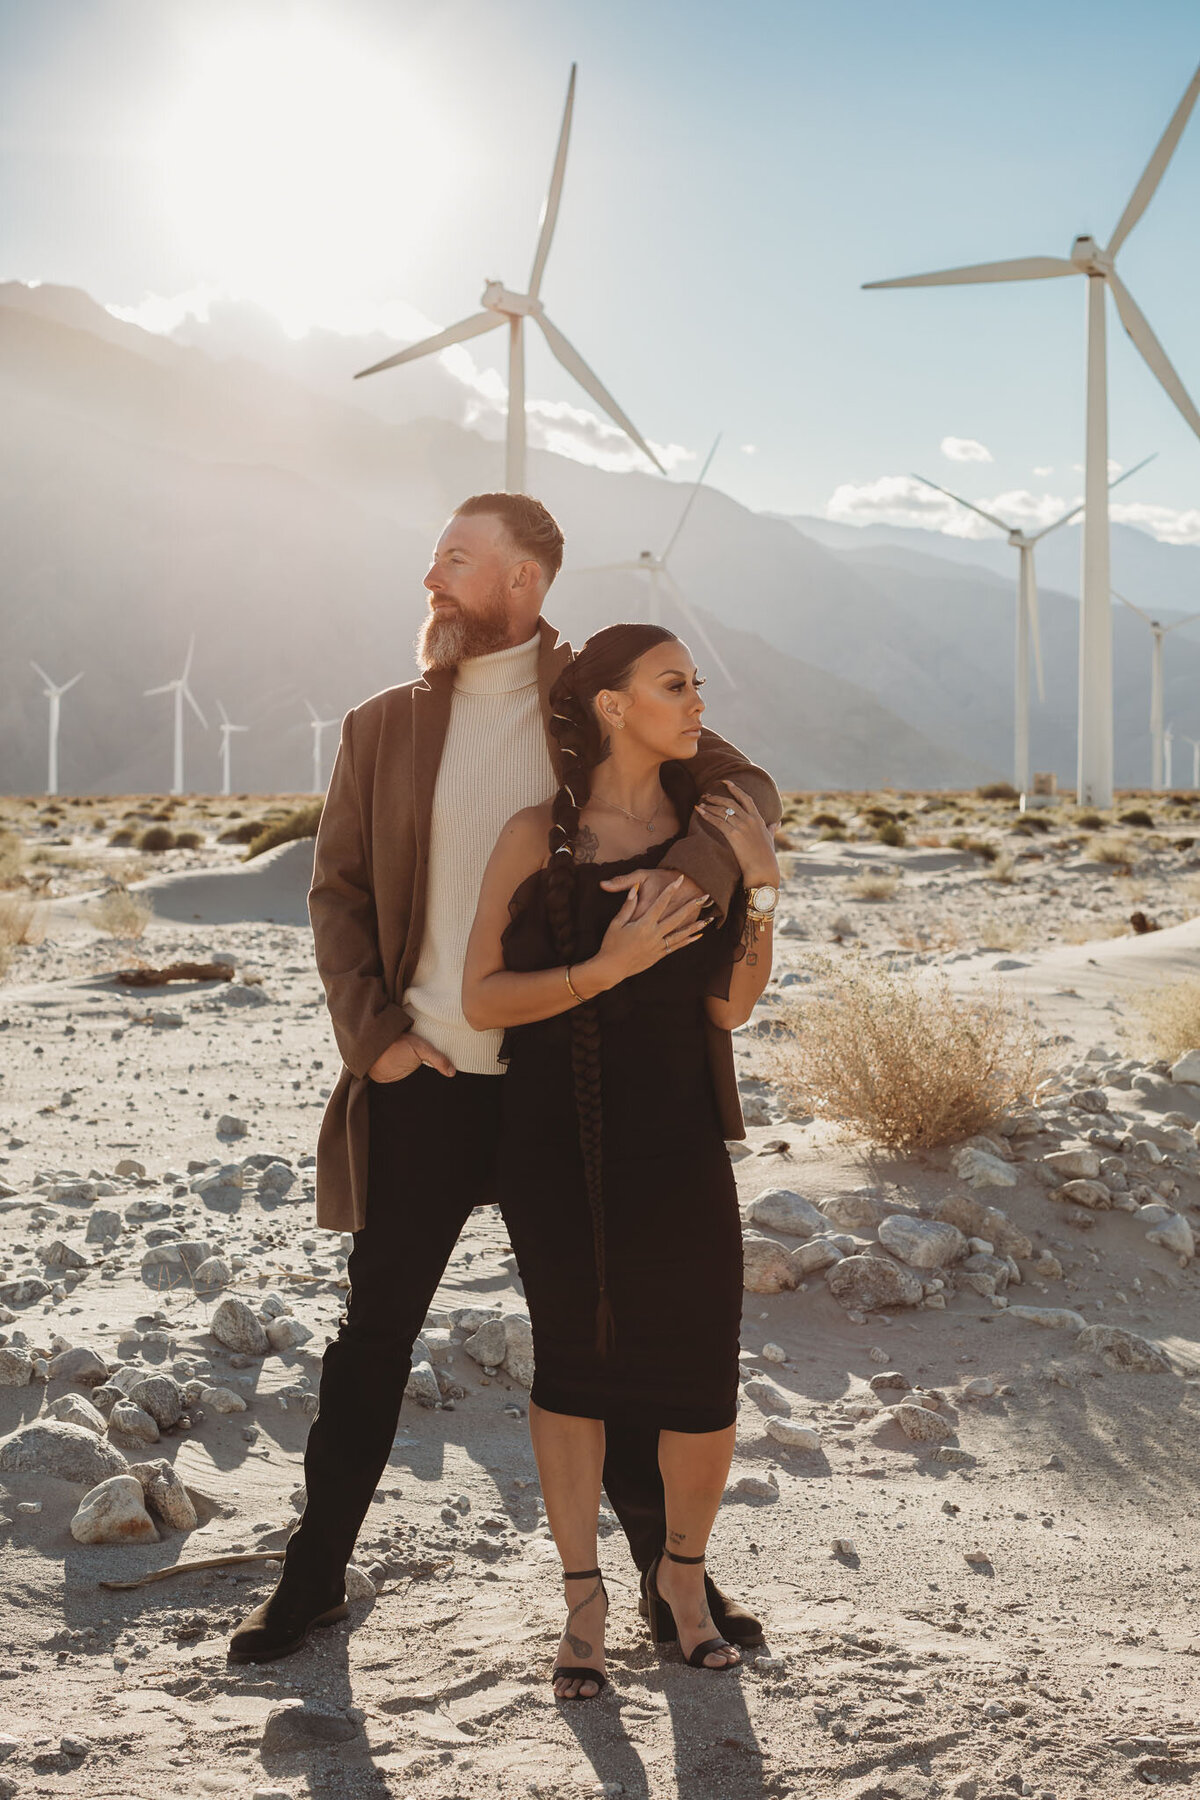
(533, 529)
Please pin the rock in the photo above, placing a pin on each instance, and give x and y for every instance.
(518, 1354)
(211, 1275)
(861, 1211)
(165, 1019)
(272, 1305)
(870, 1283)
(129, 1421)
(1174, 1234)
(230, 1127)
(980, 1168)
(359, 1586)
(235, 1326)
(305, 1725)
(60, 1255)
(773, 1353)
(489, 1345)
(73, 1409)
(767, 1395)
(140, 1212)
(287, 1334)
(114, 1513)
(1187, 1068)
(69, 1452)
(980, 1387)
(165, 1265)
(922, 1243)
(81, 1364)
(166, 1495)
(817, 1254)
(1053, 1318)
(103, 1223)
(767, 1266)
(779, 1209)
(16, 1366)
(422, 1386)
(162, 1397)
(1092, 1194)
(921, 1425)
(222, 1400)
(753, 1487)
(1123, 1349)
(276, 1178)
(131, 1169)
(976, 1220)
(793, 1436)
(888, 1379)
(1082, 1161)
(23, 1292)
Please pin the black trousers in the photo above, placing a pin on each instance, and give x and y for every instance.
(432, 1154)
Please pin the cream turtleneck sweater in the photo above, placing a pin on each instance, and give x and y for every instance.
(494, 762)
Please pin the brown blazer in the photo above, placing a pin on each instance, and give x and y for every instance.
(367, 902)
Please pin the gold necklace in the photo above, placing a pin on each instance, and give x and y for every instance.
(636, 817)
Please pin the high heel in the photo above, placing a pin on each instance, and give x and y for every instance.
(664, 1627)
(577, 1672)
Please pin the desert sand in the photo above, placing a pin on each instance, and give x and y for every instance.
(1002, 1604)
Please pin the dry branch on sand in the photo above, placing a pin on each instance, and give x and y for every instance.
(900, 1061)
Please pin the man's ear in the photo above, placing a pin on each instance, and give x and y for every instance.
(527, 577)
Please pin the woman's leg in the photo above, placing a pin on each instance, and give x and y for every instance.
(570, 1458)
(695, 1466)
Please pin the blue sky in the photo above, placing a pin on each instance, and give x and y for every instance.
(736, 172)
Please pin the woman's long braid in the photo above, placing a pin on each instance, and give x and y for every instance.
(570, 726)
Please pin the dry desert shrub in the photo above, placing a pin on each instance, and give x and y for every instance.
(20, 923)
(1115, 849)
(299, 824)
(122, 914)
(1170, 1017)
(1002, 931)
(157, 838)
(1090, 931)
(1004, 869)
(871, 885)
(902, 1062)
(12, 858)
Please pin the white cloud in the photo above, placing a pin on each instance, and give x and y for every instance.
(1166, 523)
(965, 450)
(749, 449)
(1045, 471)
(902, 500)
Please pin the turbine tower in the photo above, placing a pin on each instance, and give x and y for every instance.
(54, 693)
(1195, 743)
(1158, 759)
(661, 579)
(179, 687)
(1168, 744)
(504, 307)
(227, 730)
(1095, 754)
(319, 725)
(1027, 614)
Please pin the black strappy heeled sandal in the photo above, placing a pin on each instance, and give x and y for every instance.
(664, 1628)
(577, 1672)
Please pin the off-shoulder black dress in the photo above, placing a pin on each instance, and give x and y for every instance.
(673, 1246)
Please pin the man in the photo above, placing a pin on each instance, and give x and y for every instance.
(425, 777)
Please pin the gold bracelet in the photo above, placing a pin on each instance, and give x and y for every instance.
(567, 975)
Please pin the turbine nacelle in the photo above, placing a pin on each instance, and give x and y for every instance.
(1088, 257)
(497, 298)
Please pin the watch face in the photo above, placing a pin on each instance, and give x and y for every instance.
(764, 899)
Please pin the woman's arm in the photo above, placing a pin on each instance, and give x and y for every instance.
(747, 979)
(494, 996)
(752, 843)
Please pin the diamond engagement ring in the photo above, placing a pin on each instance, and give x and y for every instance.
(729, 812)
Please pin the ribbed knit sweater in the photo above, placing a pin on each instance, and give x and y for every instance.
(494, 762)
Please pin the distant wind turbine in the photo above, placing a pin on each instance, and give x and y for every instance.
(1095, 751)
(54, 693)
(1168, 745)
(227, 730)
(1158, 773)
(179, 687)
(1195, 743)
(1027, 614)
(319, 725)
(661, 579)
(505, 307)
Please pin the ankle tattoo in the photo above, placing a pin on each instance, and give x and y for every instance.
(580, 1646)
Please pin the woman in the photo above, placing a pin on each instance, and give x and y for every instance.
(614, 1178)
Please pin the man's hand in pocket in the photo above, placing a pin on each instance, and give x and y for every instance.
(405, 1056)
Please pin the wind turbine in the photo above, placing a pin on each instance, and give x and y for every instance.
(661, 578)
(503, 306)
(227, 730)
(1027, 614)
(319, 725)
(1095, 755)
(54, 694)
(1157, 741)
(1168, 744)
(179, 687)
(1195, 743)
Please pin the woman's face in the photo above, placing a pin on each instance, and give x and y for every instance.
(660, 709)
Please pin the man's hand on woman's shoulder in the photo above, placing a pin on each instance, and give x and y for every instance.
(405, 1057)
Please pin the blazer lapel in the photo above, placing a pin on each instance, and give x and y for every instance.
(430, 718)
(553, 656)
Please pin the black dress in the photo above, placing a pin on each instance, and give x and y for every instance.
(673, 1244)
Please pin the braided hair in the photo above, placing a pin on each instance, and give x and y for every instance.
(607, 660)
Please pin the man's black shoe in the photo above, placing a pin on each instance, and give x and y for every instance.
(283, 1621)
(730, 1617)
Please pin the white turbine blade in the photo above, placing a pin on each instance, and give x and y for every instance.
(612, 568)
(1132, 607)
(550, 211)
(453, 334)
(1153, 173)
(691, 500)
(1175, 625)
(1136, 470)
(969, 504)
(168, 687)
(1153, 354)
(224, 715)
(187, 666)
(1066, 517)
(191, 700)
(313, 714)
(39, 669)
(1022, 268)
(67, 685)
(1035, 628)
(574, 364)
(689, 614)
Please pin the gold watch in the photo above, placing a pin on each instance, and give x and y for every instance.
(761, 902)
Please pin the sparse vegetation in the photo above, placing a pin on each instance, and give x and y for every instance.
(901, 1062)
(1120, 852)
(156, 838)
(245, 833)
(1088, 821)
(189, 840)
(1170, 1017)
(891, 832)
(12, 858)
(872, 885)
(1138, 816)
(825, 821)
(997, 790)
(299, 824)
(121, 837)
(20, 923)
(1003, 868)
(122, 914)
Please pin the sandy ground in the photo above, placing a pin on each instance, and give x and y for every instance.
(1017, 1619)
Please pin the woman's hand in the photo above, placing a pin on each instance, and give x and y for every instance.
(747, 833)
(632, 944)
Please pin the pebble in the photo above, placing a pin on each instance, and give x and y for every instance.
(287, 1334)
(518, 1355)
(235, 1326)
(162, 1397)
(129, 1421)
(81, 1364)
(921, 1424)
(222, 1400)
(871, 1283)
(114, 1513)
(793, 1436)
(1176, 1235)
(228, 1126)
(922, 1243)
(422, 1385)
(861, 1211)
(73, 1409)
(1122, 1349)
(1053, 1318)
(980, 1168)
(766, 1266)
(16, 1367)
(211, 1275)
(1068, 1163)
(767, 1395)
(889, 1378)
(1187, 1068)
(773, 1353)
(779, 1209)
(305, 1725)
(488, 1344)
(819, 1253)
(166, 1495)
